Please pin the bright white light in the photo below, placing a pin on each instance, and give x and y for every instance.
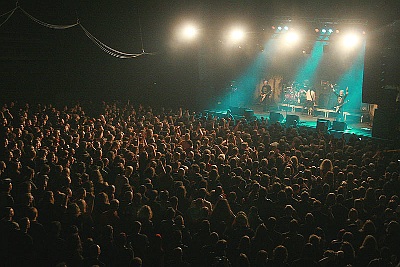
(189, 32)
(351, 40)
(323, 30)
(237, 35)
(286, 28)
(279, 28)
(330, 31)
(292, 37)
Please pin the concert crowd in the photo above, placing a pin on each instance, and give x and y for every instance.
(136, 186)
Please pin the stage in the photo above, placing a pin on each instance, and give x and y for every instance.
(357, 123)
(353, 122)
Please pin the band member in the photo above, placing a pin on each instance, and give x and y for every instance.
(265, 95)
(340, 101)
(324, 94)
(310, 101)
(302, 96)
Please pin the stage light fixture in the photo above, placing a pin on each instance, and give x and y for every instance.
(237, 35)
(323, 30)
(189, 32)
(286, 28)
(292, 37)
(330, 31)
(351, 40)
(279, 28)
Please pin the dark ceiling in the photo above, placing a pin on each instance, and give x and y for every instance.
(35, 60)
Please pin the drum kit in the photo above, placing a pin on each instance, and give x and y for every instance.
(295, 94)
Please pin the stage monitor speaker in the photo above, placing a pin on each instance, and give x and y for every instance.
(323, 125)
(275, 117)
(290, 120)
(237, 111)
(249, 114)
(339, 126)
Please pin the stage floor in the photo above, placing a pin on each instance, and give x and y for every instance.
(354, 122)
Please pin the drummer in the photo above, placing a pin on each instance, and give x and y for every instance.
(290, 93)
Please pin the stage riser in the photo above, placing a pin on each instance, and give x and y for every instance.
(321, 113)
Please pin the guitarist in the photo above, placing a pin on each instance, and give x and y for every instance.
(340, 101)
(265, 95)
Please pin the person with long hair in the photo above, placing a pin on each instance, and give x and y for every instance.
(240, 228)
(348, 254)
(145, 216)
(221, 216)
(325, 167)
(261, 241)
(156, 254)
(368, 251)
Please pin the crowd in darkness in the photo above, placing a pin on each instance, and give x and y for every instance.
(135, 186)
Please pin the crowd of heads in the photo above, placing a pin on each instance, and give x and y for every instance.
(136, 186)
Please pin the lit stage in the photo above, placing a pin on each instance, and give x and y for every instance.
(354, 123)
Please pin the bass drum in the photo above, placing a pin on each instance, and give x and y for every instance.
(290, 97)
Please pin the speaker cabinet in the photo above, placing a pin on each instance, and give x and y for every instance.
(291, 119)
(386, 124)
(275, 117)
(238, 111)
(339, 126)
(323, 125)
(249, 114)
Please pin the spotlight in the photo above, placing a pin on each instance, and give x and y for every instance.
(330, 31)
(316, 30)
(189, 32)
(279, 28)
(237, 35)
(292, 37)
(286, 28)
(337, 31)
(351, 40)
(323, 30)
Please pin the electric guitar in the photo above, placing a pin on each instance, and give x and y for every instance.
(263, 96)
(337, 108)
